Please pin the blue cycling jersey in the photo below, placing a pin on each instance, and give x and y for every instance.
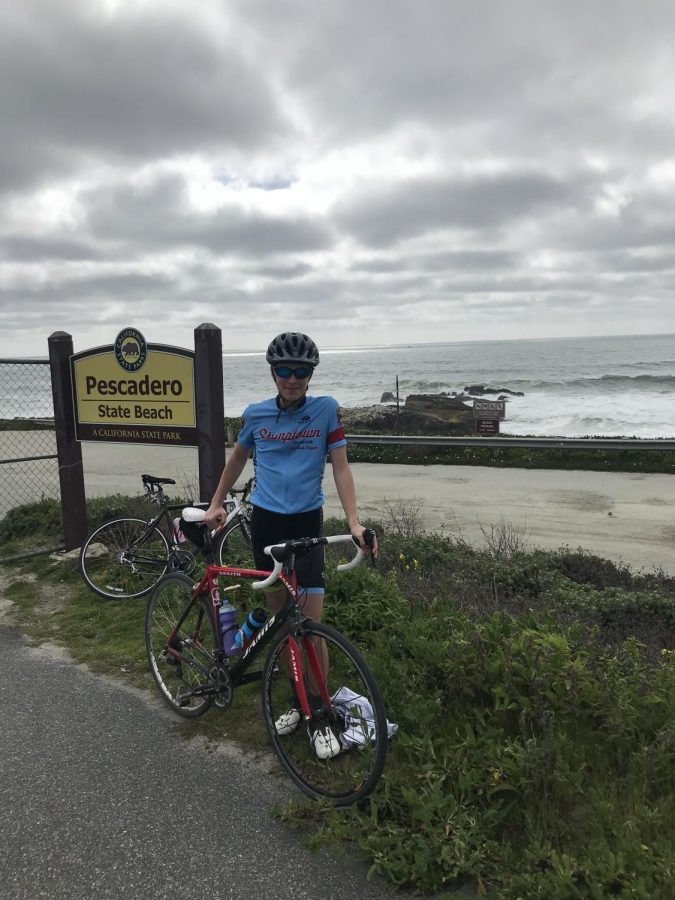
(290, 451)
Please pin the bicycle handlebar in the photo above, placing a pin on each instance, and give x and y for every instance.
(305, 544)
(191, 514)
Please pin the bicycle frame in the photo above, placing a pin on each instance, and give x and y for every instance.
(237, 511)
(208, 587)
(130, 556)
(165, 515)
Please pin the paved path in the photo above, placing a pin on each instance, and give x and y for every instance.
(100, 798)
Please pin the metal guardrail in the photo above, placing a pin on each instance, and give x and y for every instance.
(523, 442)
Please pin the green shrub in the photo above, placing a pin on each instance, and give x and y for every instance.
(43, 517)
(524, 458)
(103, 509)
(536, 750)
(586, 568)
(535, 698)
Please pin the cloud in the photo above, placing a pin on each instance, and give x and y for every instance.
(441, 261)
(159, 216)
(384, 168)
(391, 212)
(78, 86)
(29, 248)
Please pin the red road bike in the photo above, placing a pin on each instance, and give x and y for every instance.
(310, 667)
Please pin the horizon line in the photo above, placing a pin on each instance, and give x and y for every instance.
(405, 344)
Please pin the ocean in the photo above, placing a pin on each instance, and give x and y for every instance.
(574, 387)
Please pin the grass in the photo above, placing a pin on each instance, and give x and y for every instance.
(534, 693)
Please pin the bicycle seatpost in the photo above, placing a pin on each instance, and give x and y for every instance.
(208, 546)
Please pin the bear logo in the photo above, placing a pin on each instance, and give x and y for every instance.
(131, 350)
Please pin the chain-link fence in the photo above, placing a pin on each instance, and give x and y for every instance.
(28, 464)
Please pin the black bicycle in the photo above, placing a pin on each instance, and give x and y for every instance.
(125, 557)
(322, 708)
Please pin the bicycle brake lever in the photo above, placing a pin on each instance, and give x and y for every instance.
(368, 537)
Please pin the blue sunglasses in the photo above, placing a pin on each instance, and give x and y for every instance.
(286, 372)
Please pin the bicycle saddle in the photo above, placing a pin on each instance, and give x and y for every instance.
(155, 479)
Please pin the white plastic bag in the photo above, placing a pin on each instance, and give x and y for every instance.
(358, 717)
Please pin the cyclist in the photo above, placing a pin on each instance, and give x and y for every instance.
(291, 434)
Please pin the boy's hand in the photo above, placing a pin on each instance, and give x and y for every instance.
(367, 539)
(214, 516)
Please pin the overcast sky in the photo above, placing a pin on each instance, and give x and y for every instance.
(368, 171)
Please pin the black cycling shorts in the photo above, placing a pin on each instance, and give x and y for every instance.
(275, 528)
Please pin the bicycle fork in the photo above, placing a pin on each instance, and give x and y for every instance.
(297, 674)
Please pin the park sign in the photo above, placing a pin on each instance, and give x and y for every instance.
(487, 415)
(489, 409)
(134, 392)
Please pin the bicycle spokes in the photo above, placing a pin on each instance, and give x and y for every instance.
(182, 645)
(355, 749)
(124, 558)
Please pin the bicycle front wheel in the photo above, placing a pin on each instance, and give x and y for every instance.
(124, 558)
(354, 715)
(233, 547)
(183, 674)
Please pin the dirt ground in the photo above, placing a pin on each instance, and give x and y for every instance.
(623, 516)
(627, 517)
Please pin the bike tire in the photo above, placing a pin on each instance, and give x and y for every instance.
(233, 547)
(196, 642)
(114, 578)
(354, 772)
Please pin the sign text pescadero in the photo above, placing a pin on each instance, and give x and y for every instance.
(134, 392)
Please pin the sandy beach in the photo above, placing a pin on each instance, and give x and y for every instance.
(627, 517)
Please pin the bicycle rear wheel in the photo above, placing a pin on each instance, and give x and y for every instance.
(180, 678)
(233, 547)
(119, 563)
(356, 717)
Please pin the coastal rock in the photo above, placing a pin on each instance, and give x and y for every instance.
(440, 405)
(480, 390)
(421, 414)
(387, 397)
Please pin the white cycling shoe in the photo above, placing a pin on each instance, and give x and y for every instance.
(322, 739)
(287, 722)
(324, 742)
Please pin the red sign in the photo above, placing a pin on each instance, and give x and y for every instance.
(486, 426)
